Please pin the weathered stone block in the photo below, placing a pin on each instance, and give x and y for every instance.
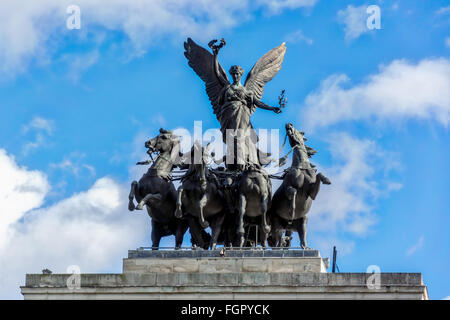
(268, 274)
(255, 265)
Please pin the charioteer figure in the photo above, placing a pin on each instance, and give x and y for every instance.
(234, 103)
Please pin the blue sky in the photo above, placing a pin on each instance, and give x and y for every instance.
(77, 105)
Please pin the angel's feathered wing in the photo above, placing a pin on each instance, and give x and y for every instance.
(264, 70)
(202, 61)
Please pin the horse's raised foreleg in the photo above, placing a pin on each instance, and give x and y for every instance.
(242, 207)
(302, 232)
(314, 189)
(131, 206)
(291, 193)
(147, 198)
(178, 211)
(201, 206)
(216, 228)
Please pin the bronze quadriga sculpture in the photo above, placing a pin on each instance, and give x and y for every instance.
(236, 197)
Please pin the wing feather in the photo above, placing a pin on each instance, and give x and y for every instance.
(202, 62)
(264, 70)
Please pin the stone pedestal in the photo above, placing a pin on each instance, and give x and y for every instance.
(239, 274)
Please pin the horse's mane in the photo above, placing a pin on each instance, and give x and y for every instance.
(175, 152)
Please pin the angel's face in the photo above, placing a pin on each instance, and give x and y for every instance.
(236, 75)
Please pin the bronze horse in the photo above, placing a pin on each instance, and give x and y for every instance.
(292, 200)
(156, 191)
(254, 194)
(200, 198)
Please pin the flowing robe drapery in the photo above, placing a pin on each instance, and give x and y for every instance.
(236, 107)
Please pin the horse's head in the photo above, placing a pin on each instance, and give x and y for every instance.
(164, 142)
(197, 157)
(296, 137)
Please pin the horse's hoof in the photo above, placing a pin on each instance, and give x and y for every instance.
(204, 224)
(241, 245)
(140, 206)
(213, 246)
(323, 179)
(131, 206)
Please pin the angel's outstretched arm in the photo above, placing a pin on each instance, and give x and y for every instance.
(262, 105)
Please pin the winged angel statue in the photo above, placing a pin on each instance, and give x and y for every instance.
(234, 103)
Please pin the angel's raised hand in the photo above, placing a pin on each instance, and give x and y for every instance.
(215, 48)
(211, 43)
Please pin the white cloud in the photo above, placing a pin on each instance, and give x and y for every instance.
(74, 163)
(80, 63)
(298, 36)
(276, 6)
(92, 229)
(393, 186)
(159, 120)
(446, 298)
(31, 30)
(354, 19)
(347, 205)
(40, 123)
(42, 127)
(29, 146)
(21, 190)
(400, 90)
(443, 11)
(418, 245)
